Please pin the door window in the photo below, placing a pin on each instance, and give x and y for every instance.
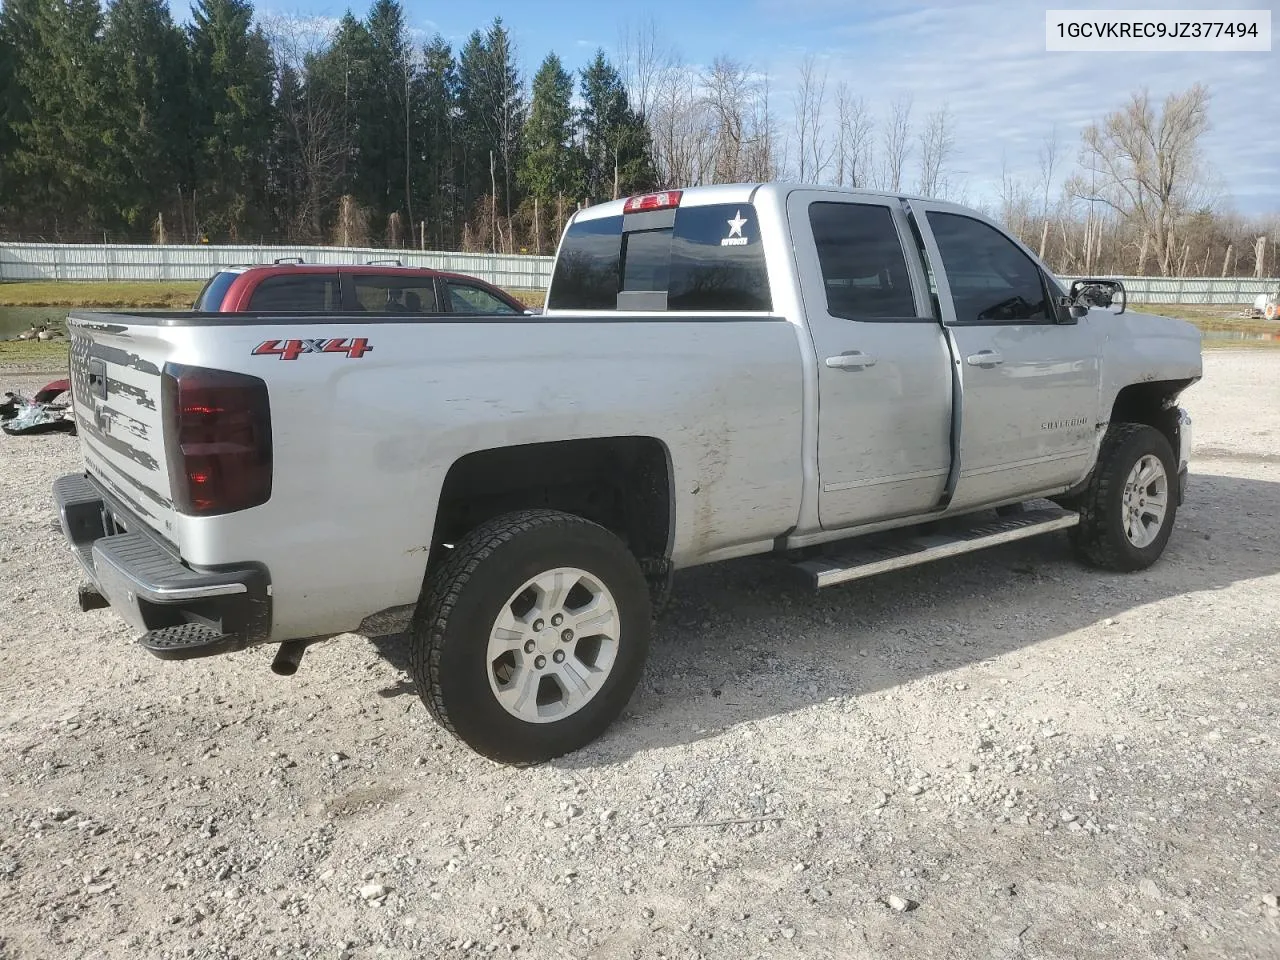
(992, 281)
(864, 271)
(464, 298)
(377, 294)
(303, 293)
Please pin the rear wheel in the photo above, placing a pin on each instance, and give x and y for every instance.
(531, 636)
(1127, 510)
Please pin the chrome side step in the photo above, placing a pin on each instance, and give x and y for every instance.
(868, 556)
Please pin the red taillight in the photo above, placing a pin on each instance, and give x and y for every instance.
(653, 201)
(217, 428)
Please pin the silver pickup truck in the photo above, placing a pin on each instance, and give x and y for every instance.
(854, 382)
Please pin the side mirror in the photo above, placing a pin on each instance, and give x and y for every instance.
(1092, 292)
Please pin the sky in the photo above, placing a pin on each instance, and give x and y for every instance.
(985, 61)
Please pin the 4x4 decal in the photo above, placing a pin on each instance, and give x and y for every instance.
(292, 349)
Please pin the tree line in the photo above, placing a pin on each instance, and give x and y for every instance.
(118, 122)
(121, 121)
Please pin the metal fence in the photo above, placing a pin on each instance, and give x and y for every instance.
(84, 261)
(1191, 290)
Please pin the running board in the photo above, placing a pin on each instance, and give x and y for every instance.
(868, 556)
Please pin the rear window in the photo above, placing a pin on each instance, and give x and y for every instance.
(697, 259)
(302, 293)
(210, 298)
(586, 271)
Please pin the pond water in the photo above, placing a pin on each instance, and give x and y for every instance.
(1239, 335)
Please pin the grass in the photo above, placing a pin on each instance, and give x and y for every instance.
(530, 298)
(34, 355)
(179, 294)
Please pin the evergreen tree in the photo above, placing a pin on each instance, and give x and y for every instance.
(551, 167)
(343, 73)
(16, 35)
(231, 72)
(615, 139)
(386, 133)
(148, 110)
(58, 127)
(491, 109)
(435, 109)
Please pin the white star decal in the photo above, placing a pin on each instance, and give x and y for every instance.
(736, 224)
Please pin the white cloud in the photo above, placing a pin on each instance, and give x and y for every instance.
(988, 63)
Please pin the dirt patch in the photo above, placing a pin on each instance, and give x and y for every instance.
(1002, 756)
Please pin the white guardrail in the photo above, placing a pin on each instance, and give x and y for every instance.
(88, 261)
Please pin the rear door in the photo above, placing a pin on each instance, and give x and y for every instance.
(1030, 382)
(884, 371)
(380, 293)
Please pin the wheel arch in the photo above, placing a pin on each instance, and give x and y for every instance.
(1153, 402)
(623, 483)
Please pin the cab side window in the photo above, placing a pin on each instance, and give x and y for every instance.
(864, 271)
(377, 294)
(992, 281)
(464, 298)
(301, 293)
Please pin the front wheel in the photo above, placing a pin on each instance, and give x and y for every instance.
(531, 637)
(1128, 508)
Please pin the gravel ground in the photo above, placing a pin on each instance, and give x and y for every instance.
(1001, 756)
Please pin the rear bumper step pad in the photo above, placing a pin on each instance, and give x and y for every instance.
(177, 612)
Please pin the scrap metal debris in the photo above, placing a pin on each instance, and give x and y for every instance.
(43, 413)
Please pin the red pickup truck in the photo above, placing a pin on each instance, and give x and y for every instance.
(380, 288)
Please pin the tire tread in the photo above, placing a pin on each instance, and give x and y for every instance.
(1091, 538)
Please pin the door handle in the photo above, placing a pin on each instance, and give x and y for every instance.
(853, 360)
(984, 358)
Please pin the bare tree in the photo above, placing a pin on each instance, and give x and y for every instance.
(727, 86)
(1015, 202)
(937, 144)
(681, 128)
(809, 102)
(760, 162)
(311, 118)
(896, 143)
(853, 138)
(1148, 166)
(1048, 163)
(643, 60)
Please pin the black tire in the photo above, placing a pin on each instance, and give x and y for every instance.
(1100, 538)
(461, 599)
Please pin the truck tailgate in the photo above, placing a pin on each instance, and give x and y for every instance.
(115, 381)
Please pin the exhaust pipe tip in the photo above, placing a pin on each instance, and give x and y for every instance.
(289, 656)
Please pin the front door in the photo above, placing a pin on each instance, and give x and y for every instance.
(884, 375)
(1030, 383)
